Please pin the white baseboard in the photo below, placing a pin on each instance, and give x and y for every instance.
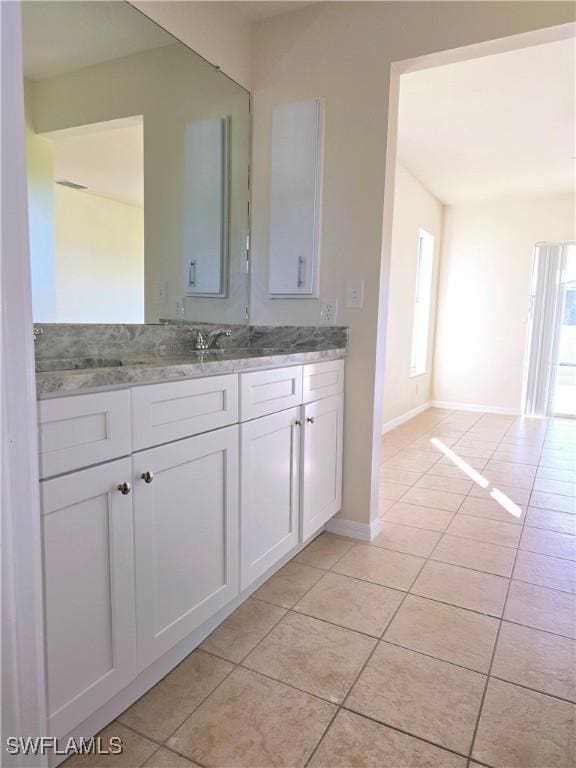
(393, 423)
(354, 530)
(474, 408)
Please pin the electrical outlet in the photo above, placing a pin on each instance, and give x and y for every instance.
(355, 294)
(328, 312)
(161, 292)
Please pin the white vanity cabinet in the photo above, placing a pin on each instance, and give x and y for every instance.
(162, 507)
(270, 495)
(186, 537)
(88, 550)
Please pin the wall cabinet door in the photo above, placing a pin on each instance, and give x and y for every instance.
(89, 591)
(186, 528)
(322, 474)
(269, 491)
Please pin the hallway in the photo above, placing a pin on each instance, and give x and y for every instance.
(446, 643)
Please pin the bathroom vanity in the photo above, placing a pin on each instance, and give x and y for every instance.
(165, 504)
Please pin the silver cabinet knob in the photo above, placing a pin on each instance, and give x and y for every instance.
(124, 488)
(310, 419)
(298, 423)
(147, 477)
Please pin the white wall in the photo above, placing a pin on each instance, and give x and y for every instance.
(343, 52)
(484, 295)
(415, 208)
(217, 31)
(99, 259)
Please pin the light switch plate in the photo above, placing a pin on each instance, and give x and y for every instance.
(355, 294)
(328, 312)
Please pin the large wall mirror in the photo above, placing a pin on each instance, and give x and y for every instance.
(137, 153)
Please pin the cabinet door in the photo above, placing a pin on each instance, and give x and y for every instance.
(89, 591)
(270, 491)
(186, 527)
(322, 481)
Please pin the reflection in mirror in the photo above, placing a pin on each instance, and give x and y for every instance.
(137, 152)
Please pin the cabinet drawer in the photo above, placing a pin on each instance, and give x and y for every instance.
(264, 392)
(323, 380)
(78, 431)
(165, 412)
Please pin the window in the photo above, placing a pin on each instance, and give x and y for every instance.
(422, 302)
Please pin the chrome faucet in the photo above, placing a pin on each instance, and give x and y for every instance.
(37, 332)
(207, 341)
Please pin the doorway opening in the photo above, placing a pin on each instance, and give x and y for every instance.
(550, 375)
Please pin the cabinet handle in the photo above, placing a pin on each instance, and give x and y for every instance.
(300, 271)
(298, 423)
(192, 274)
(124, 488)
(147, 477)
(310, 419)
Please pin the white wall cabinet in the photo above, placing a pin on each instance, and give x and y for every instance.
(141, 552)
(89, 591)
(270, 491)
(186, 536)
(322, 463)
(295, 198)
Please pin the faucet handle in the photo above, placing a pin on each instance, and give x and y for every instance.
(37, 332)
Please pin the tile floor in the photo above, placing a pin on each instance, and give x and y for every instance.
(446, 643)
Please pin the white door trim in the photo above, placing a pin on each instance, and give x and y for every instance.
(23, 680)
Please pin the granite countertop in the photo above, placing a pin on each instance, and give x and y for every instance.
(57, 377)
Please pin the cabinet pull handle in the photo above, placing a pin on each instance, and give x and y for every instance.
(192, 274)
(147, 477)
(300, 271)
(310, 419)
(298, 423)
(124, 488)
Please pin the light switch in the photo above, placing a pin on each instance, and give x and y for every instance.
(355, 294)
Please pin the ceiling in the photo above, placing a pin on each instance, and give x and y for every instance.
(61, 37)
(495, 126)
(264, 9)
(108, 158)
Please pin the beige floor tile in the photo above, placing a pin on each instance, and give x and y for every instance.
(251, 721)
(448, 484)
(541, 608)
(554, 501)
(390, 569)
(243, 630)
(551, 520)
(423, 696)
(492, 531)
(392, 491)
(418, 517)
(163, 708)
(353, 740)
(558, 461)
(135, 750)
(324, 551)
(404, 477)
(478, 555)
(501, 478)
(427, 497)
(490, 509)
(513, 471)
(523, 729)
(518, 495)
(350, 603)
(288, 584)
(548, 543)
(445, 632)
(383, 505)
(553, 572)
(447, 470)
(550, 473)
(537, 660)
(312, 655)
(404, 538)
(165, 758)
(477, 591)
(560, 487)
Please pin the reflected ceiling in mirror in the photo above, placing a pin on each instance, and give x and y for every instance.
(137, 154)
